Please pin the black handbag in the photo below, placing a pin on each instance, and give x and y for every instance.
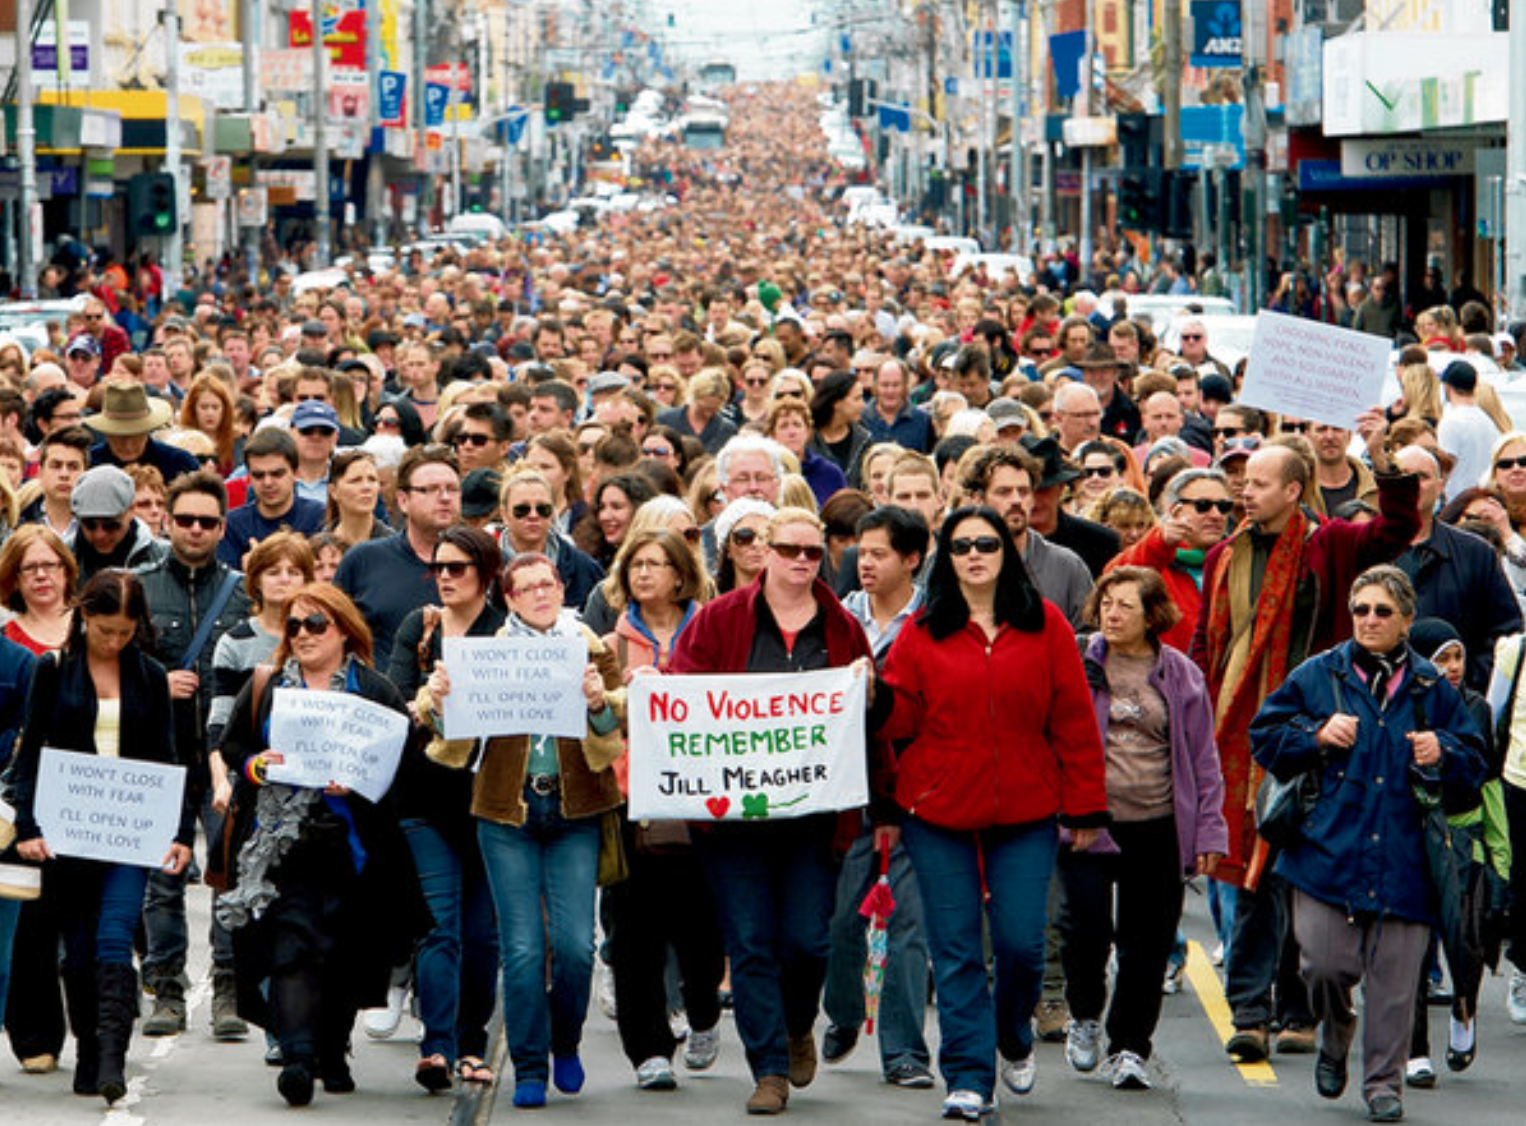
(1282, 807)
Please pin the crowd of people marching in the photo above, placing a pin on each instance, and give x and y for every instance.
(1120, 630)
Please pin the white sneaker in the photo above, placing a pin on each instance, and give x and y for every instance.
(656, 1074)
(1019, 1075)
(1173, 983)
(1218, 955)
(702, 1049)
(1419, 1072)
(678, 1025)
(604, 989)
(967, 1106)
(1083, 1044)
(1516, 998)
(1128, 1072)
(381, 1024)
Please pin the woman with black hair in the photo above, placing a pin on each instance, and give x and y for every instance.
(455, 965)
(986, 688)
(102, 695)
(835, 411)
(611, 509)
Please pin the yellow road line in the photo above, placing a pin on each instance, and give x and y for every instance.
(1210, 994)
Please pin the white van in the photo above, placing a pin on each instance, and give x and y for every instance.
(479, 224)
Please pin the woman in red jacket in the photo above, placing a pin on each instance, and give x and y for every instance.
(987, 686)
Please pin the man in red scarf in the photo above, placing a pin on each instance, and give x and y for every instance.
(1273, 594)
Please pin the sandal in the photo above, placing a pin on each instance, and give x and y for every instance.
(470, 1069)
(433, 1074)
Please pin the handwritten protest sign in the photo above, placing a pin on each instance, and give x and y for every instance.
(515, 686)
(1314, 371)
(329, 737)
(746, 748)
(115, 809)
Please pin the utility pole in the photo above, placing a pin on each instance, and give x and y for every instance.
(26, 152)
(320, 139)
(246, 21)
(1088, 61)
(1515, 171)
(375, 187)
(1253, 210)
(420, 112)
(174, 245)
(1171, 136)
(1017, 173)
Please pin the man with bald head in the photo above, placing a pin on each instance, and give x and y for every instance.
(1274, 593)
(1162, 418)
(1457, 575)
(1077, 415)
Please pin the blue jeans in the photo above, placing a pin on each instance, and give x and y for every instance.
(1018, 863)
(10, 915)
(455, 965)
(543, 875)
(904, 999)
(99, 910)
(774, 887)
(1261, 981)
(164, 924)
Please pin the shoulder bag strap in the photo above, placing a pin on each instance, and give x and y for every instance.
(208, 621)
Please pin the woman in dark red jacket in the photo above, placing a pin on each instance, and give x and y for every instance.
(987, 686)
(775, 882)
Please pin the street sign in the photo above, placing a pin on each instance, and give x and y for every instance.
(392, 99)
(219, 177)
(252, 207)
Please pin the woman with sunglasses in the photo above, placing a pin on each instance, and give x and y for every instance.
(354, 486)
(1101, 472)
(1507, 473)
(322, 899)
(664, 384)
(454, 966)
(739, 544)
(101, 695)
(1165, 798)
(555, 456)
(537, 802)
(986, 688)
(775, 883)
(1195, 508)
(755, 378)
(664, 444)
(664, 902)
(1388, 739)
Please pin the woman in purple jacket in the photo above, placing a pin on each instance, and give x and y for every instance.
(1165, 798)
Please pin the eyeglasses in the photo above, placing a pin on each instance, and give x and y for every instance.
(46, 567)
(100, 524)
(1231, 431)
(1372, 610)
(656, 451)
(1204, 507)
(205, 523)
(670, 387)
(641, 565)
(1296, 427)
(981, 545)
(543, 510)
(1192, 336)
(451, 568)
(1099, 471)
(389, 421)
(1511, 463)
(317, 431)
(756, 382)
(268, 474)
(315, 624)
(547, 587)
(445, 489)
(660, 358)
(471, 440)
(746, 479)
(810, 551)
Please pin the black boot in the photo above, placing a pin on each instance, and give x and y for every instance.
(118, 1009)
(81, 1003)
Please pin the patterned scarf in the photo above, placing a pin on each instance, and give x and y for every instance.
(1248, 646)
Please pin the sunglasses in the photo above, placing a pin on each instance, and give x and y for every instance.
(981, 545)
(1203, 507)
(541, 509)
(744, 537)
(205, 523)
(471, 439)
(316, 431)
(451, 568)
(387, 421)
(1372, 610)
(810, 551)
(1099, 471)
(1192, 336)
(1295, 427)
(660, 358)
(657, 451)
(1511, 463)
(100, 524)
(756, 382)
(664, 387)
(315, 624)
(1230, 431)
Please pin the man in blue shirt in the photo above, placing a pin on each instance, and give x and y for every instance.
(891, 416)
(273, 504)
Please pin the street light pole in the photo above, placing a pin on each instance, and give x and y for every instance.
(174, 246)
(320, 140)
(1515, 171)
(26, 149)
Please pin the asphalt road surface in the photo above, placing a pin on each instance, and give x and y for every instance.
(191, 1080)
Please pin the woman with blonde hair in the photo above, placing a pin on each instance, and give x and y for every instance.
(1488, 400)
(1419, 394)
(666, 386)
(209, 407)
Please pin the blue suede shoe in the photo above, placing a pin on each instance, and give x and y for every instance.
(567, 1074)
(530, 1093)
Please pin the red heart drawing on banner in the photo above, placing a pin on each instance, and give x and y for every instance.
(717, 807)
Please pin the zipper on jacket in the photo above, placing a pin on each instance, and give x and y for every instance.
(995, 751)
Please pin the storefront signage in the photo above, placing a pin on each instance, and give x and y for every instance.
(1388, 158)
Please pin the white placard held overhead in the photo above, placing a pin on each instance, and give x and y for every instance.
(1308, 370)
(119, 810)
(515, 686)
(330, 737)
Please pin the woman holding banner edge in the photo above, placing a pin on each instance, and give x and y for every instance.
(325, 900)
(103, 695)
(538, 803)
(775, 882)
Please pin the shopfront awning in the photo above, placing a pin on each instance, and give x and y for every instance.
(67, 130)
(143, 114)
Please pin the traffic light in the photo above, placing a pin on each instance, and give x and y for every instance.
(861, 92)
(1176, 211)
(1139, 198)
(151, 203)
(1134, 139)
(559, 99)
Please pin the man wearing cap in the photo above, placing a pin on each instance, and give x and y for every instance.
(128, 416)
(479, 497)
(270, 456)
(1010, 420)
(1465, 431)
(315, 336)
(82, 360)
(891, 417)
(106, 534)
(1100, 370)
(1095, 543)
(315, 427)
